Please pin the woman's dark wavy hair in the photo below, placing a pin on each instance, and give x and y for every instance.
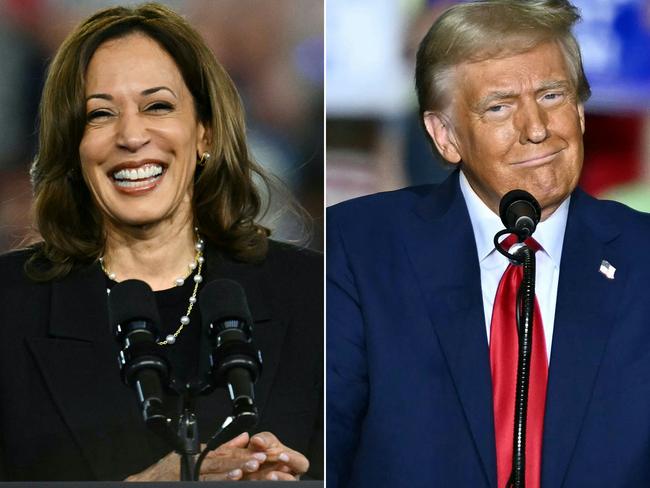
(226, 201)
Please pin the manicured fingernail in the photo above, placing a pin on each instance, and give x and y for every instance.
(284, 457)
(235, 473)
(251, 465)
(260, 456)
(273, 477)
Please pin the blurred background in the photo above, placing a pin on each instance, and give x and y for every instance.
(272, 49)
(374, 138)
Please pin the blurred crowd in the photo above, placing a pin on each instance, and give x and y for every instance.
(272, 49)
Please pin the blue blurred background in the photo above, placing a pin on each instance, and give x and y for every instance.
(272, 49)
(374, 139)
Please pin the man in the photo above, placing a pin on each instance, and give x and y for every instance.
(414, 282)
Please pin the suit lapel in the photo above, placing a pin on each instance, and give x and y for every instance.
(585, 311)
(269, 332)
(441, 246)
(78, 361)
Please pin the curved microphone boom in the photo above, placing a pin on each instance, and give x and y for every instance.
(520, 213)
(133, 316)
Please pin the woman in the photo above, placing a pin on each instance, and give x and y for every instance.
(143, 173)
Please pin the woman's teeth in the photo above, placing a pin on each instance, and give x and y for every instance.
(137, 176)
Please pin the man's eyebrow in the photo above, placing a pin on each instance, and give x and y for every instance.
(498, 95)
(494, 96)
(553, 85)
(147, 92)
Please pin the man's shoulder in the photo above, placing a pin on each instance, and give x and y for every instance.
(614, 214)
(383, 206)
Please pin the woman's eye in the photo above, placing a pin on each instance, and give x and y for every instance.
(97, 114)
(159, 107)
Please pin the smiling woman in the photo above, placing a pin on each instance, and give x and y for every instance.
(139, 150)
(143, 173)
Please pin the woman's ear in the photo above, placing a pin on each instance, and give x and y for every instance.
(440, 130)
(203, 140)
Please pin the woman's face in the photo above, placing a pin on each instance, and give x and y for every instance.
(142, 137)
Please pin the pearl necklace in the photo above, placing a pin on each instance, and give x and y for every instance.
(198, 278)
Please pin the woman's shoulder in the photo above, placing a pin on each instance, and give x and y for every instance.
(285, 269)
(285, 254)
(19, 293)
(12, 263)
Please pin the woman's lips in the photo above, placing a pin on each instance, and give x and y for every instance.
(137, 180)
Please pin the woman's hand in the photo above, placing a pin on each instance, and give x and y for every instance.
(281, 462)
(230, 461)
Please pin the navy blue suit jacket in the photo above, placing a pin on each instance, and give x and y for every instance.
(408, 382)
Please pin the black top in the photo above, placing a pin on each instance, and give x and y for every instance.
(64, 412)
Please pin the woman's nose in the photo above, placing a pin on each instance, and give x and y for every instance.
(132, 133)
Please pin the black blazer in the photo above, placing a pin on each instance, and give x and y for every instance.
(64, 412)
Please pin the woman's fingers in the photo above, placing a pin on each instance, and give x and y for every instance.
(277, 452)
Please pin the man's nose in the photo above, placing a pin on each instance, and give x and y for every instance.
(132, 132)
(533, 123)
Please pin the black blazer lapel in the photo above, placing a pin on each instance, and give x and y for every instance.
(269, 330)
(78, 362)
(585, 311)
(442, 248)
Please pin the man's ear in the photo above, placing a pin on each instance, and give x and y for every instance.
(581, 114)
(440, 130)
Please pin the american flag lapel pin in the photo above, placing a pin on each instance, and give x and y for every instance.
(607, 269)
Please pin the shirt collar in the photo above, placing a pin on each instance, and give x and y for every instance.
(485, 223)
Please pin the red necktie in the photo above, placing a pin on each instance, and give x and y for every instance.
(504, 350)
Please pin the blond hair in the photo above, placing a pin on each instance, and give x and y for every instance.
(486, 29)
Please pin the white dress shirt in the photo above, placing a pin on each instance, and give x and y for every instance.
(550, 236)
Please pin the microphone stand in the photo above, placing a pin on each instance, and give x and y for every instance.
(188, 436)
(525, 306)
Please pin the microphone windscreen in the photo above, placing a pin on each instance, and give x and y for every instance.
(224, 300)
(132, 300)
(526, 205)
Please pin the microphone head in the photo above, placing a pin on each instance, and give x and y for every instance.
(224, 300)
(132, 300)
(520, 211)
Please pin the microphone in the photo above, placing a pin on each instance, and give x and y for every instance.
(133, 316)
(520, 212)
(235, 362)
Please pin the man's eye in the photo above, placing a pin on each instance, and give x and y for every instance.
(495, 108)
(553, 96)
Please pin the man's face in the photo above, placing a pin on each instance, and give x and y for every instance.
(515, 124)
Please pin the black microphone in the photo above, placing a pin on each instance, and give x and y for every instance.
(133, 316)
(520, 212)
(235, 362)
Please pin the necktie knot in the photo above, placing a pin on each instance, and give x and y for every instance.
(512, 239)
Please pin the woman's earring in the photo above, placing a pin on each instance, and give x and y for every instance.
(205, 157)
